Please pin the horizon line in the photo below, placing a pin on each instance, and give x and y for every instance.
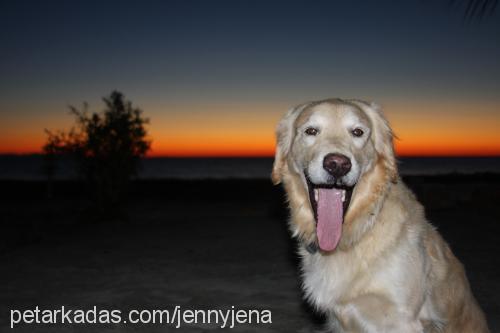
(180, 156)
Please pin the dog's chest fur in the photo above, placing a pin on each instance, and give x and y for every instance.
(330, 281)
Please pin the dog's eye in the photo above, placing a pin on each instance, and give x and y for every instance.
(357, 132)
(311, 131)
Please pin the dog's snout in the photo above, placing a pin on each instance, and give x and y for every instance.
(337, 165)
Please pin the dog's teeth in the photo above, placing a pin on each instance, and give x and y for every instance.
(343, 195)
(316, 194)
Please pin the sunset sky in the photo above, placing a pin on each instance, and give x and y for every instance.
(215, 76)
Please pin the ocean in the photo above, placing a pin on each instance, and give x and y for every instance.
(30, 167)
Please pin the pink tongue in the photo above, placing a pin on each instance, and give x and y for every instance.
(330, 215)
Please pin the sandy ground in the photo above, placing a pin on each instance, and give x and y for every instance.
(183, 245)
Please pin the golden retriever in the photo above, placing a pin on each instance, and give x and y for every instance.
(370, 260)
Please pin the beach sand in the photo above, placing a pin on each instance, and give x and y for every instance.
(203, 245)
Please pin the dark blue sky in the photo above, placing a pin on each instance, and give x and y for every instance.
(245, 52)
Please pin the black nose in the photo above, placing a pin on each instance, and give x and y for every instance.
(337, 165)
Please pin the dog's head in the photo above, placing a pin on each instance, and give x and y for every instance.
(336, 160)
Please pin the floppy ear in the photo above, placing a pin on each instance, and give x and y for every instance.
(382, 136)
(284, 138)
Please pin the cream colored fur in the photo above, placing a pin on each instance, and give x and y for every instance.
(392, 271)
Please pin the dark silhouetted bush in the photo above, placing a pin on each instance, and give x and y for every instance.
(107, 147)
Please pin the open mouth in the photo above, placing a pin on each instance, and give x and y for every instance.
(329, 202)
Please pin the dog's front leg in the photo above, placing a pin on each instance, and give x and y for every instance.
(373, 313)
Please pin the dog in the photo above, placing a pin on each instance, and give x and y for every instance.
(370, 261)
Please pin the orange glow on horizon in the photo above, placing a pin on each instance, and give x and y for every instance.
(239, 147)
(433, 129)
(268, 151)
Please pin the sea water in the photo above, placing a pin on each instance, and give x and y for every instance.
(31, 167)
